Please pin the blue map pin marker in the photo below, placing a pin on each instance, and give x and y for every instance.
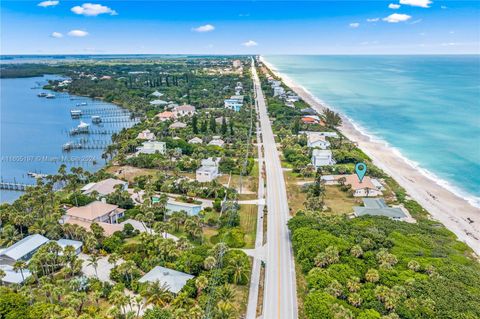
(360, 170)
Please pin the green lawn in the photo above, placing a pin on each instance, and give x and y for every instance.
(248, 223)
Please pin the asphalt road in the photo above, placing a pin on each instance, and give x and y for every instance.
(280, 300)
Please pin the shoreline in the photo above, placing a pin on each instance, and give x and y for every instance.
(441, 203)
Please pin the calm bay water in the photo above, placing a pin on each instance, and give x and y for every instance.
(426, 107)
(33, 130)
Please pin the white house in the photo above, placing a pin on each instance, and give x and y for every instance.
(152, 147)
(158, 102)
(105, 187)
(208, 171)
(157, 94)
(278, 90)
(322, 158)
(234, 103)
(217, 142)
(177, 124)
(184, 110)
(172, 279)
(146, 135)
(195, 140)
(317, 141)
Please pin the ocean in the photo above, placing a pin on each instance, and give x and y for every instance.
(427, 108)
(34, 129)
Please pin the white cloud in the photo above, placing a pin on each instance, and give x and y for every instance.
(394, 6)
(416, 3)
(443, 7)
(373, 20)
(48, 3)
(416, 21)
(92, 9)
(78, 33)
(56, 35)
(250, 43)
(204, 28)
(397, 17)
(354, 25)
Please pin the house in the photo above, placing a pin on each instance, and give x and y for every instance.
(237, 64)
(177, 124)
(317, 141)
(208, 171)
(234, 103)
(105, 215)
(195, 140)
(158, 102)
(217, 142)
(278, 90)
(308, 111)
(22, 250)
(378, 207)
(12, 276)
(219, 120)
(172, 279)
(146, 135)
(366, 188)
(152, 147)
(165, 116)
(322, 158)
(77, 245)
(190, 209)
(184, 110)
(105, 187)
(311, 119)
(326, 134)
(157, 94)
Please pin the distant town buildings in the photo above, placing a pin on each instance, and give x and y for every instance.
(177, 125)
(184, 110)
(165, 116)
(146, 135)
(217, 142)
(195, 140)
(234, 103)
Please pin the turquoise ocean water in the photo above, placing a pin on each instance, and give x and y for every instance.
(425, 107)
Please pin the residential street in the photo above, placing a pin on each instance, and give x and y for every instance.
(279, 300)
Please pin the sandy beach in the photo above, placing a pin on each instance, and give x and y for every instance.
(456, 213)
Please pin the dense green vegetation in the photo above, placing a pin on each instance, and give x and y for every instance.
(373, 267)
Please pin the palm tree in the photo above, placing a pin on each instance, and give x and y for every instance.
(20, 265)
(414, 265)
(2, 275)
(113, 259)
(195, 312)
(93, 261)
(225, 310)
(332, 119)
(335, 289)
(372, 275)
(209, 263)
(225, 293)
(353, 284)
(157, 294)
(201, 282)
(356, 251)
(355, 300)
(239, 270)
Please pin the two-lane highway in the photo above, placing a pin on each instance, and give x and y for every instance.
(279, 300)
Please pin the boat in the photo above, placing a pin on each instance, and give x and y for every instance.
(50, 96)
(96, 119)
(76, 114)
(82, 104)
(42, 94)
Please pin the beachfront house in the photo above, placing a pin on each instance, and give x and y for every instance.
(146, 135)
(173, 280)
(105, 215)
(208, 171)
(22, 250)
(190, 209)
(367, 188)
(378, 207)
(152, 147)
(317, 141)
(165, 116)
(322, 158)
(104, 187)
(326, 134)
(184, 110)
(195, 140)
(278, 90)
(311, 119)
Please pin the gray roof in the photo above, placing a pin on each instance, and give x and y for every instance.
(24, 246)
(378, 207)
(14, 277)
(68, 242)
(175, 280)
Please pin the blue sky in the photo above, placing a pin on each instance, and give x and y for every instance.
(266, 27)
